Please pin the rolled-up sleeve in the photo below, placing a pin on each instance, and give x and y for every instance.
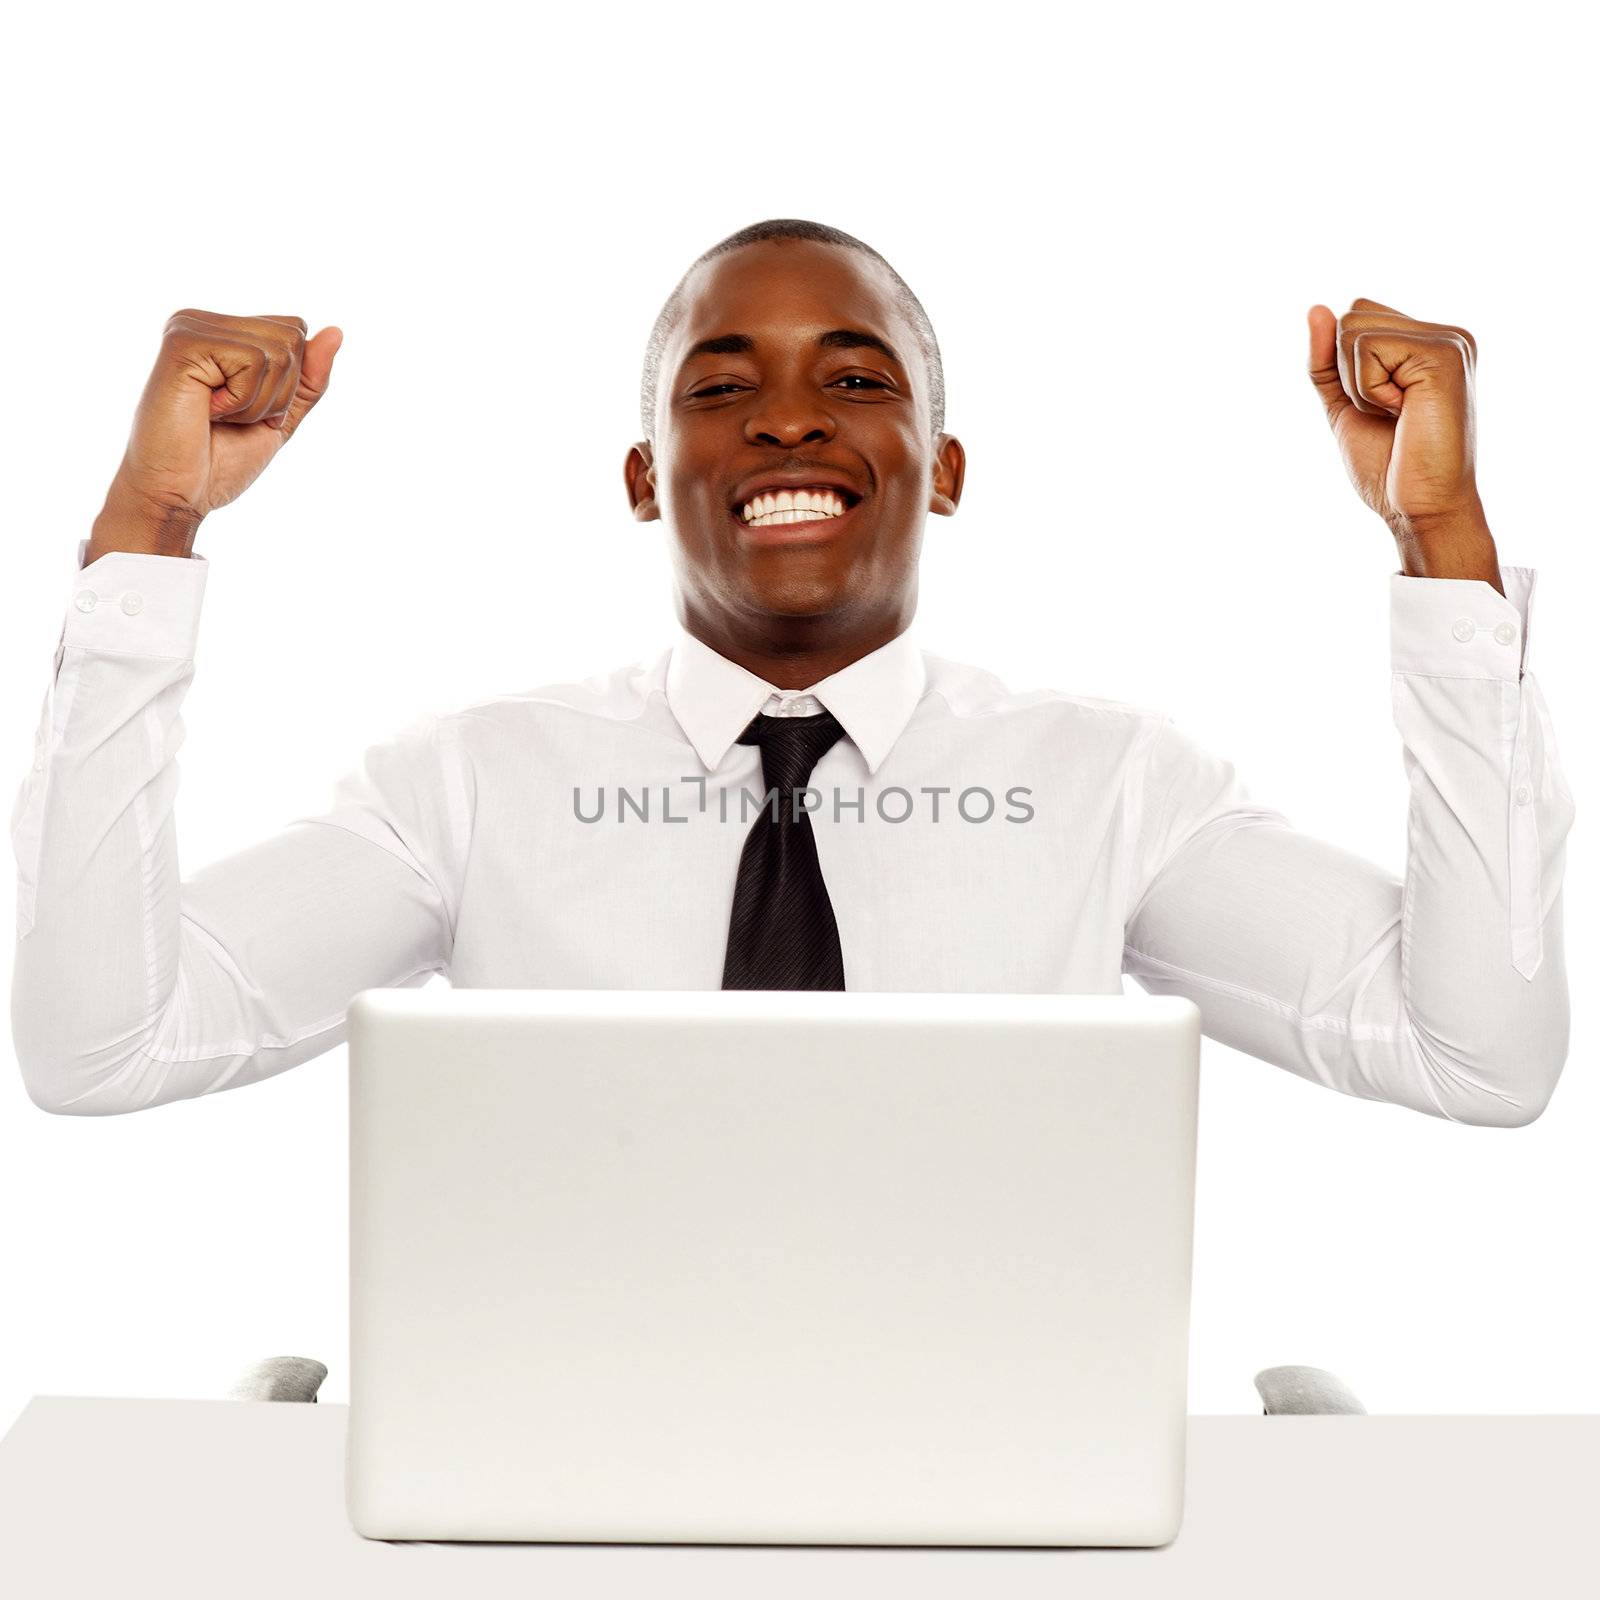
(1444, 991)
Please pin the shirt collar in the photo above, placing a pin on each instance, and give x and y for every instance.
(714, 698)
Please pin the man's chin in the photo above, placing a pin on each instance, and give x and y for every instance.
(799, 598)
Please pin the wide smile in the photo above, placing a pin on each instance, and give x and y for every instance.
(790, 516)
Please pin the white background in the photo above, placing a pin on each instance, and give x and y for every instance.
(1117, 227)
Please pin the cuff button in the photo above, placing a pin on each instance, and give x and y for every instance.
(1505, 633)
(86, 599)
(133, 604)
(1464, 629)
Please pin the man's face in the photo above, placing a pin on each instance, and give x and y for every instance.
(791, 390)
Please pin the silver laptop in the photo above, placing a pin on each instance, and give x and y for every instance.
(763, 1267)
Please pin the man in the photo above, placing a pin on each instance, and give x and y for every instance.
(928, 829)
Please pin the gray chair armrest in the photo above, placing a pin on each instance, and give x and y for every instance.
(281, 1378)
(1305, 1391)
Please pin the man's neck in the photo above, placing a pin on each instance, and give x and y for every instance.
(793, 655)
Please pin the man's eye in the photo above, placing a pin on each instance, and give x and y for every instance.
(717, 388)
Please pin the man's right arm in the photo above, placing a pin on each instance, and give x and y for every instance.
(132, 987)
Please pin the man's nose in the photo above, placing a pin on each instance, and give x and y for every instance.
(789, 416)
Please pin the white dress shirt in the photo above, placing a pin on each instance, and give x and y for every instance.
(972, 838)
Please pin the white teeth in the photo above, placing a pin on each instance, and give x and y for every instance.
(791, 516)
(793, 505)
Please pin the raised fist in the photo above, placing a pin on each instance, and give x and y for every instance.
(224, 396)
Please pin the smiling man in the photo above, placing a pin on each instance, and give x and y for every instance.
(798, 367)
(796, 794)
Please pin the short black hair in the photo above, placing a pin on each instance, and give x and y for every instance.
(788, 228)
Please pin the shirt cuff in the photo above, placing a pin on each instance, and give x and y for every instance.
(1461, 627)
(132, 604)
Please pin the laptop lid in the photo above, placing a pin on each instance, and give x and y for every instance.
(755, 1267)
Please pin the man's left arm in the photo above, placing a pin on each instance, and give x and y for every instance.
(1446, 992)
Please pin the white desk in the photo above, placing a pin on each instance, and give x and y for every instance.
(215, 1498)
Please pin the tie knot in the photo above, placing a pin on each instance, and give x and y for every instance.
(792, 746)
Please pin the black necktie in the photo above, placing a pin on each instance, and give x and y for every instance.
(782, 934)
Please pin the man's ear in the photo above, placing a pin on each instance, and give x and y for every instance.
(949, 473)
(639, 472)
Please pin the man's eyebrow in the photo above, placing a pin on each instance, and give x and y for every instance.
(735, 344)
(855, 339)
